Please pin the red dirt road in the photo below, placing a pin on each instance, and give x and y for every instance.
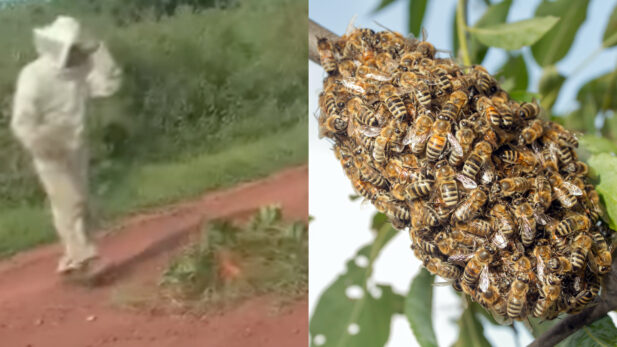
(38, 310)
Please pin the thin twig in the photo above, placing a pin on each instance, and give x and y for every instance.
(462, 32)
(569, 325)
(317, 31)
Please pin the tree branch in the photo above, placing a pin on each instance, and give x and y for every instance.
(605, 303)
(317, 31)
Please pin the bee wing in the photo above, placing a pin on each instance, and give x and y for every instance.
(542, 217)
(456, 146)
(418, 139)
(368, 131)
(499, 240)
(378, 77)
(526, 228)
(500, 319)
(350, 84)
(484, 279)
(574, 190)
(460, 258)
(467, 182)
(443, 284)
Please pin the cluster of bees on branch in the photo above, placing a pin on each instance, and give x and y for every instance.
(494, 197)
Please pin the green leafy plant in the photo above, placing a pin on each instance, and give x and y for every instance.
(266, 256)
(546, 38)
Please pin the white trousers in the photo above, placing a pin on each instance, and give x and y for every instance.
(65, 180)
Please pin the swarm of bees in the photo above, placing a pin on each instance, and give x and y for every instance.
(494, 197)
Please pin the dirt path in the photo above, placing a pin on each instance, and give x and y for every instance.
(37, 309)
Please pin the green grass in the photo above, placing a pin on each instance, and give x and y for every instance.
(211, 97)
(270, 255)
(156, 184)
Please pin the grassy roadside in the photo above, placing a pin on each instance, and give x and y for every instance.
(156, 184)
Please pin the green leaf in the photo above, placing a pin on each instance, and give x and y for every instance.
(597, 145)
(610, 33)
(470, 331)
(494, 14)
(549, 86)
(513, 74)
(418, 308)
(383, 4)
(417, 9)
(356, 321)
(539, 325)
(605, 166)
(523, 95)
(556, 43)
(582, 119)
(596, 90)
(354, 197)
(514, 35)
(610, 127)
(379, 220)
(601, 333)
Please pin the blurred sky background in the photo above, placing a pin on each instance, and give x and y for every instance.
(341, 227)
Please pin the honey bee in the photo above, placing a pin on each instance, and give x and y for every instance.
(477, 267)
(556, 133)
(600, 261)
(547, 155)
(573, 223)
(559, 243)
(525, 217)
(391, 42)
(444, 84)
(532, 132)
(418, 137)
(447, 245)
(485, 82)
(410, 60)
(428, 247)
(549, 293)
(500, 101)
(370, 174)
(580, 248)
(379, 148)
(426, 48)
(410, 82)
(385, 63)
(462, 238)
(389, 96)
(371, 73)
(517, 296)
(559, 265)
(578, 169)
(403, 168)
(422, 215)
(528, 111)
(453, 106)
(592, 204)
(542, 253)
(365, 189)
(502, 220)
(476, 160)
(583, 298)
(496, 304)
(513, 185)
(444, 177)
(415, 189)
(565, 192)
(471, 206)
(478, 227)
(362, 114)
(393, 209)
(465, 137)
(522, 158)
(542, 191)
(440, 133)
(492, 116)
(326, 57)
(442, 269)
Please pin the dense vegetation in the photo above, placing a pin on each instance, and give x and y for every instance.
(213, 94)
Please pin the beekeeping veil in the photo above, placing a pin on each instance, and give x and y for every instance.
(56, 40)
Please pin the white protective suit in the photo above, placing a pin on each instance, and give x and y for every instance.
(49, 120)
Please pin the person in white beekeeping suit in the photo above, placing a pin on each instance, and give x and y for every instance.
(49, 116)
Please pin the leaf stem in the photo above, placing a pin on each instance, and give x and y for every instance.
(462, 32)
(593, 337)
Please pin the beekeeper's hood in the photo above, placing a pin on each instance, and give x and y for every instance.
(56, 40)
